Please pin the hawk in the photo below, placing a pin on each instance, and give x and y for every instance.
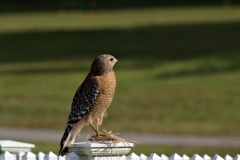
(91, 100)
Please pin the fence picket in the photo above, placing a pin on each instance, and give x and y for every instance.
(196, 157)
(164, 157)
(175, 156)
(29, 156)
(217, 157)
(143, 156)
(133, 156)
(227, 157)
(61, 157)
(206, 157)
(185, 157)
(7, 156)
(154, 156)
(50, 156)
(237, 157)
(40, 156)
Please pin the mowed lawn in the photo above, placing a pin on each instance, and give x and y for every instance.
(179, 70)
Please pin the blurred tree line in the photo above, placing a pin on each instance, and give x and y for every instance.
(32, 5)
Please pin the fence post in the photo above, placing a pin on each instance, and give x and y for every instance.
(196, 157)
(7, 156)
(133, 156)
(185, 157)
(227, 157)
(19, 155)
(154, 156)
(164, 157)
(29, 156)
(143, 156)
(237, 157)
(50, 156)
(40, 156)
(72, 156)
(175, 156)
(206, 157)
(217, 157)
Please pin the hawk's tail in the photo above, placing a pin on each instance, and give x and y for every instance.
(70, 135)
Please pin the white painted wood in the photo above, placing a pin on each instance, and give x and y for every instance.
(133, 156)
(206, 157)
(100, 148)
(50, 156)
(196, 157)
(7, 156)
(217, 157)
(123, 157)
(40, 156)
(154, 156)
(143, 156)
(15, 146)
(175, 156)
(237, 157)
(185, 157)
(227, 157)
(72, 156)
(29, 156)
(164, 157)
(19, 155)
(61, 157)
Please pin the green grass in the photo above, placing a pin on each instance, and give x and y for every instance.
(178, 73)
(148, 149)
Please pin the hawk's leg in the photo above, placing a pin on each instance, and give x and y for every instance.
(96, 130)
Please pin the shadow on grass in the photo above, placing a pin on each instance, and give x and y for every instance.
(144, 46)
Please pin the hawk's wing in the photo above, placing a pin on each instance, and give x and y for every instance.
(82, 102)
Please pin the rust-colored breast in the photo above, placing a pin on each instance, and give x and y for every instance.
(107, 85)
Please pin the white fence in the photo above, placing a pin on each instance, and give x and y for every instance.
(72, 156)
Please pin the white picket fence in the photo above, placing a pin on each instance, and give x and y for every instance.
(72, 156)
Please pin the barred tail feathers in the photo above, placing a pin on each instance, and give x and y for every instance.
(70, 135)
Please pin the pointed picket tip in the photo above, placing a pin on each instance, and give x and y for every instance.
(6, 154)
(237, 157)
(206, 157)
(133, 156)
(217, 157)
(196, 157)
(62, 157)
(175, 156)
(154, 156)
(143, 156)
(227, 157)
(185, 157)
(29, 154)
(72, 154)
(164, 157)
(50, 154)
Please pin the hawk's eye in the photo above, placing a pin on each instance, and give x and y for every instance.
(111, 59)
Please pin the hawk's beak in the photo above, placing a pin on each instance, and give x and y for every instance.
(116, 61)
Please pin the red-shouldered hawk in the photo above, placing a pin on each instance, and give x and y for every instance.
(91, 100)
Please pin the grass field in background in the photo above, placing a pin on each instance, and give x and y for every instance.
(178, 73)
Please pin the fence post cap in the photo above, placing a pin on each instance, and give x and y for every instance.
(15, 146)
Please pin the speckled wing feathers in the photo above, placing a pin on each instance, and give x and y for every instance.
(81, 105)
